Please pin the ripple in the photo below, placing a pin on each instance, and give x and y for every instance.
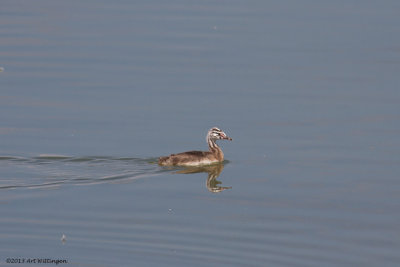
(55, 170)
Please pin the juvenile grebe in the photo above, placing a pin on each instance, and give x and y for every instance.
(192, 158)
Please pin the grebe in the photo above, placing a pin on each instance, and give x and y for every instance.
(193, 158)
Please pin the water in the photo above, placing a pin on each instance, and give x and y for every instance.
(92, 92)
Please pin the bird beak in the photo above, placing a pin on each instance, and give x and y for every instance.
(225, 137)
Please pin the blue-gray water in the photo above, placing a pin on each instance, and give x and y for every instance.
(92, 92)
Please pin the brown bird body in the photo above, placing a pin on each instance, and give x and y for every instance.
(193, 158)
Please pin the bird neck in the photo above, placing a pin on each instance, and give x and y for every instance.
(215, 149)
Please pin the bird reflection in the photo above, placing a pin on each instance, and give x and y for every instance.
(213, 185)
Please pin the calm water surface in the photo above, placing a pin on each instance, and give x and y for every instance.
(92, 92)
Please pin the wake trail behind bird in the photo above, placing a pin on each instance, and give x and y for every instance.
(56, 170)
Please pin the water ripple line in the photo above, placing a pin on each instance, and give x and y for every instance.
(45, 170)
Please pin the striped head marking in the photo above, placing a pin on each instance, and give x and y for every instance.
(215, 134)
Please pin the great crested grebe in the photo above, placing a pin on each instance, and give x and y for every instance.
(193, 158)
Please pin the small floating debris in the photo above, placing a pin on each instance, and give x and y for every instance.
(1, 69)
(63, 238)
